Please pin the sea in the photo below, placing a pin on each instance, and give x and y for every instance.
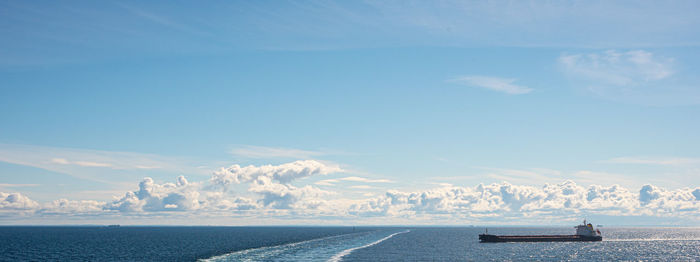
(305, 243)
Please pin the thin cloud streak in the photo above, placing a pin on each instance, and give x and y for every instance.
(664, 161)
(19, 185)
(365, 180)
(81, 163)
(333, 182)
(262, 152)
(503, 85)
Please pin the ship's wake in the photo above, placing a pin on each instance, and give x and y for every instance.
(332, 248)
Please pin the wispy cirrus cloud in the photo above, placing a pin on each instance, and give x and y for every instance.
(522, 176)
(619, 68)
(503, 85)
(333, 25)
(165, 20)
(18, 185)
(365, 180)
(332, 182)
(635, 76)
(63, 161)
(532, 176)
(361, 187)
(664, 161)
(82, 163)
(262, 152)
(327, 182)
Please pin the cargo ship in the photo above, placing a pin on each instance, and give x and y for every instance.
(584, 232)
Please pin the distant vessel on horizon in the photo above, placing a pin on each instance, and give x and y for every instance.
(584, 232)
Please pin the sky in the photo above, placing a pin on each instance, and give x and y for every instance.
(350, 112)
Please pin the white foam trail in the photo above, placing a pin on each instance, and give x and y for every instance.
(338, 257)
(251, 250)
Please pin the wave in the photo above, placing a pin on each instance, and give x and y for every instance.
(346, 252)
(650, 239)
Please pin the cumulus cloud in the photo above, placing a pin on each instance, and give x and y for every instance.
(159, 197)
(16, 201)
(272, 182)
(284, 173)
(284, 196)
(269, 182)
(504, 85)
(223, 201)
(65, 206)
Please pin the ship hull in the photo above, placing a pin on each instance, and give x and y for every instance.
(540, 238)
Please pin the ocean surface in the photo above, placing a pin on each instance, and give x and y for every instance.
(93, 243)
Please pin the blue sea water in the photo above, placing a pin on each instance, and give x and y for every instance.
(336, 244)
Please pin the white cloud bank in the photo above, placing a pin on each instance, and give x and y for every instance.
(270, 193)
(564, 200)
(503, 85)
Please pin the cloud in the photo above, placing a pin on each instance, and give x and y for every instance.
(562, 200)
(284, 173)
(152, 197)
(365, 180)
(81, 163)
(533, 176)
(635, 76)
(327, 182)
(222, 201)
(274, 152)
(69, 207)
(271, 194)
(284, 196)
(665, 161)
(272, 182)
(361, 187)
(18, 185)
(16, 201)
(63, 161)
(504, 85)
(337, 25)
(332, 182)
(161, 20)
(616, 68)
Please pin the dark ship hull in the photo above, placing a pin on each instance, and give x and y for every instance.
(539, 238)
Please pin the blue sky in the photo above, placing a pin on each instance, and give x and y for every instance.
(324, 112)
